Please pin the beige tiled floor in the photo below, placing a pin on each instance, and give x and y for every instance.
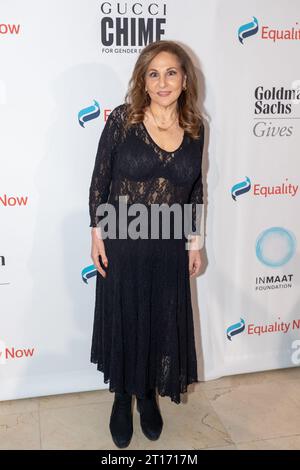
(248, 411)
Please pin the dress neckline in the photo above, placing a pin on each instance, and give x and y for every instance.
(160, 148)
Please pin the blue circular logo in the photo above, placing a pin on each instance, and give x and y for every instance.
(275, 246)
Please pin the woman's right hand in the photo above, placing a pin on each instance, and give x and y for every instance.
(98, 249)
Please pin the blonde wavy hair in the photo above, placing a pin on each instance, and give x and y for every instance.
(137, 99)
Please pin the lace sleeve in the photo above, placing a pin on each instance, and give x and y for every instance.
(101, 177)
(196, 195)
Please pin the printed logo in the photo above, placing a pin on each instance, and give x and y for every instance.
(268, 33)
(89, 113)
(127, 27)
(283, 189)
(275, 246)
(240, 188)
(256, 329)
(235, 329)
(88, 272)
(247, 30)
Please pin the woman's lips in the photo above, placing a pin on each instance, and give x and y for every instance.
(163, 93)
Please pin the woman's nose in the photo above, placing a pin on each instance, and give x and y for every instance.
(162, 82)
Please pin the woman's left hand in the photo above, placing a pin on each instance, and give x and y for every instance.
(194, 262)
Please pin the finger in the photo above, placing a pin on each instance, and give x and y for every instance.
(192, 269)
(98, 266)
(197, 267)
(104, 258)
(101, 271)
(191, 264)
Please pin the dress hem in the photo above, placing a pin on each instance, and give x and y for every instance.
(173, 398)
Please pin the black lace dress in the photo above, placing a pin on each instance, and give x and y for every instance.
(143, 332)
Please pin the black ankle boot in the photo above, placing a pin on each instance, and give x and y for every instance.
(150, 417)
(120, 425)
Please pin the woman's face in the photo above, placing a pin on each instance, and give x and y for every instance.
(164, 79)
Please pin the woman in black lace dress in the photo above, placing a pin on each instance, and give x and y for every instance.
(149, 153)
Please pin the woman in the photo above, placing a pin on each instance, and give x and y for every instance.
(150, 152)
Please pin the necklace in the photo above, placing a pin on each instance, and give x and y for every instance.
(158, 126)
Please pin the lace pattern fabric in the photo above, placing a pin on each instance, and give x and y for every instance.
(131, 164)
(143, 331)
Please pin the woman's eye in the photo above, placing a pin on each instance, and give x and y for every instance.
(154, 74)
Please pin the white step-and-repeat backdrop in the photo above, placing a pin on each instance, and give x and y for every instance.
(64, 66)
